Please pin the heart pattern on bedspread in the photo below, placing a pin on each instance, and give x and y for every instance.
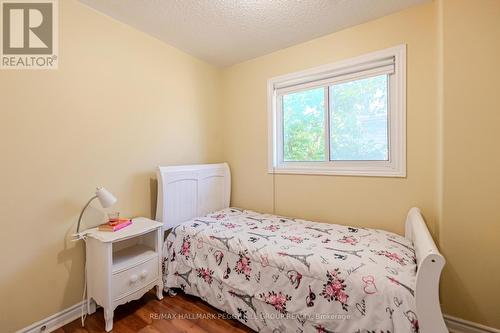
(278, 274)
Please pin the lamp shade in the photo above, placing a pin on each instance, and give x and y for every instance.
(105, 197)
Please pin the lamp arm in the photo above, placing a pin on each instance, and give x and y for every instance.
(83, 210)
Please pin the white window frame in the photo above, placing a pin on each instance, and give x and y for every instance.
(351, 68)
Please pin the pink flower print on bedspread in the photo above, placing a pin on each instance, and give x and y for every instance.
(243, 265)
(294, 239)
(206, 274)
(218, 216)
(277, 300)
(348, 240)
(272, 227)
(230, 225)
(392, 256)
(334, 289)
(186, 247)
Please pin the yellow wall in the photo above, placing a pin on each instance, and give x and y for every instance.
(120, 104)
(470, 228)
(384, 201)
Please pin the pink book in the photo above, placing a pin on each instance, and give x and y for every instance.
(107, 227)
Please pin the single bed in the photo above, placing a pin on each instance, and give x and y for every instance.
(280, 274)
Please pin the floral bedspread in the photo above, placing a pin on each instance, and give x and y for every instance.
(278, 274)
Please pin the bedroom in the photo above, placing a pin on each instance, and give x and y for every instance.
(128, 95)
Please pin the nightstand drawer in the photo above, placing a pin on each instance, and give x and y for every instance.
(134, 278)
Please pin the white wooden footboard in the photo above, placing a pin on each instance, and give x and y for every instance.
(429, 266)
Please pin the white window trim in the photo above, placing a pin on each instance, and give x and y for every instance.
(395, 167)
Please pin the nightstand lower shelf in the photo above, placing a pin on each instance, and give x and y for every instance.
(130, 256)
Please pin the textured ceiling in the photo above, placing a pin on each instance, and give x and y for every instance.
(225, 32)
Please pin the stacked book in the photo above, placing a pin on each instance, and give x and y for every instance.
(115, 225)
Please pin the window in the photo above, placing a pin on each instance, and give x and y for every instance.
(347, 118)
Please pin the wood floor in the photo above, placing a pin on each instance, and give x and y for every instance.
(182, 313)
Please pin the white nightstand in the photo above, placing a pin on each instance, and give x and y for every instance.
(123, 265)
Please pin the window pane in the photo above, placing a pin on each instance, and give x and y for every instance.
(303, 125)
(358, 120)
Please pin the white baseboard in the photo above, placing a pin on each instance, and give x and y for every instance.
(55, 321)
(458, 325)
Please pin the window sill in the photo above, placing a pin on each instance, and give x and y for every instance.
(361, 172)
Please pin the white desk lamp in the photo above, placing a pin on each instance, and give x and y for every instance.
(105, 198)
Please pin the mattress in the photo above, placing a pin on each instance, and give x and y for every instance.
(278, 274)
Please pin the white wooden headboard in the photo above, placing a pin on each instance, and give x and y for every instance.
(189, 191)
